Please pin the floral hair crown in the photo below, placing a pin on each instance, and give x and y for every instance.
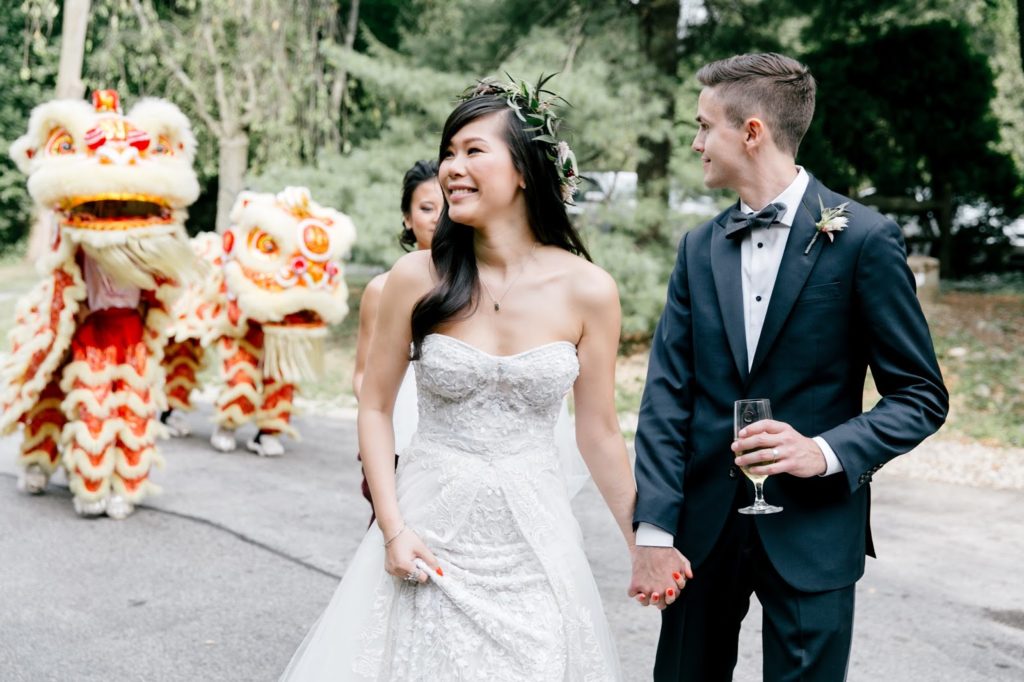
(535, 106)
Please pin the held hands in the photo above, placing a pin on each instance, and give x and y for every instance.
(659, 574)
(406, 557)
(774, 447)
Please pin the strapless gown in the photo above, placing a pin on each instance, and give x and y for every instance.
(481, 484)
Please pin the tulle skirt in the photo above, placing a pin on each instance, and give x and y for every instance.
(517, 601)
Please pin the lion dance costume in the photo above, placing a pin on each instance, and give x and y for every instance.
(84, 377)
(277, 284)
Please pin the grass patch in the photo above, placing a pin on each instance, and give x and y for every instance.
(979, 340)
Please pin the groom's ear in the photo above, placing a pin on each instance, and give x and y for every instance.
(755, 134)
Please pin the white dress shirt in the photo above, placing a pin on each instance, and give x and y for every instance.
(760, 257)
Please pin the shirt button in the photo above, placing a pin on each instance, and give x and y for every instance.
(760, 245)
(757, 298)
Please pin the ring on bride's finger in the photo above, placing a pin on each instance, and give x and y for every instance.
(413, 577)
(775, 453)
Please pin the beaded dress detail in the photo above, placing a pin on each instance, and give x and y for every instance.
(482, 486)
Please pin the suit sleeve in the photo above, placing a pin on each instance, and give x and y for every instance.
(902, 359)
(666, 409)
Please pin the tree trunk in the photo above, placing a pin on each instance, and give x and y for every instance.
(659, 42)
(945, 219)
(75, 23)
(232, 164)
(340, 88)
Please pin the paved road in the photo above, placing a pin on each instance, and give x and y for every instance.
(219, 578)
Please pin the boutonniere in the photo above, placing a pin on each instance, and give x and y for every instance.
(832, 220)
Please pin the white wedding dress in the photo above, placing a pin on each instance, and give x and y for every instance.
(482, 486)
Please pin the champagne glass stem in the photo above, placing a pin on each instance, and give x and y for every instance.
(758, 494)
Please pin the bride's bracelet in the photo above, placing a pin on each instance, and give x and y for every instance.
(395, 536)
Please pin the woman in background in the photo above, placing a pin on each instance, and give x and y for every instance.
(421, 207)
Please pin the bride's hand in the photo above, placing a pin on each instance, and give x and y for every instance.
(402, 553)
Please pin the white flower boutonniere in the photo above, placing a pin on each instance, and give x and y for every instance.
(832, 220)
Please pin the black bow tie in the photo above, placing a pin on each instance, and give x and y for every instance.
(739, 221)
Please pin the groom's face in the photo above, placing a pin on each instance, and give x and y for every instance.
(720, 144)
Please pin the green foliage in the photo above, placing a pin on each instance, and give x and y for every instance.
(907, 93)
(365, 184)
(641, 275)
(30, 61)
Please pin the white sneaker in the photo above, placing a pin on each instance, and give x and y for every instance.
(223, 439)
(119, 508)
(33, 480)
(177, 425)
(267, 445)
(89, 508)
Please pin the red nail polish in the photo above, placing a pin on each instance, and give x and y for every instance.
(677, 576)
(671, 592)
(654, 597)
(440, 572)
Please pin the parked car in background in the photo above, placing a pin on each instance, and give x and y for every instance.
(604, 188)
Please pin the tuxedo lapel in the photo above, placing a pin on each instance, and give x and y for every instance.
(725, 266)
(793, 271)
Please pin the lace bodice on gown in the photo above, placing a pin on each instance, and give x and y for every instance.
(474, 400)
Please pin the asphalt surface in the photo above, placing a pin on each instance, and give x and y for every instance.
(220, 576)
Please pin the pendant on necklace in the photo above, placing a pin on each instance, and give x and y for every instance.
(497, 308)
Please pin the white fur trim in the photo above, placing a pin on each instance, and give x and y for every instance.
(18, 391)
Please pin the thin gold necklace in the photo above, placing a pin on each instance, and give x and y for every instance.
(497, 301)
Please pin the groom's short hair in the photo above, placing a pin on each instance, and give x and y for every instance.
(776, 87)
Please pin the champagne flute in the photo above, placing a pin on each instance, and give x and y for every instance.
(745, 413)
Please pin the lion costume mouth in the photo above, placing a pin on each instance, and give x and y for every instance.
(303, 318)
(116, 212)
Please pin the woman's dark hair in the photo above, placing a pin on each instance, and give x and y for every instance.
(421, 171)
(452, 248)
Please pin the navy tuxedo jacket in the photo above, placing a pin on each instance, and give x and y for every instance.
(834, 311)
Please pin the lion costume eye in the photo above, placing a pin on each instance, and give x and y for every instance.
(60, 143)
(314, 240)
(163, 147)
(263, 242)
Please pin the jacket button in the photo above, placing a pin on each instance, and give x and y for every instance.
(732, 472)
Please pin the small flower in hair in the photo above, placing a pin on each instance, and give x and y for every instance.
(567, 170)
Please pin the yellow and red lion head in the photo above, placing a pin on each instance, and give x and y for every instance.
(282, 258)
(117, 185)
(277, 265)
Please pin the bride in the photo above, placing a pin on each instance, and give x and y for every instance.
(476, 569)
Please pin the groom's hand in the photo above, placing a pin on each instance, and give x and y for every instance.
(773, 447)
(659, 574)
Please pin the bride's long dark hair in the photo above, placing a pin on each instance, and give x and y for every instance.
(452, 248)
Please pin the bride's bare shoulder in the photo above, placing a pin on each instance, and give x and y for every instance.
(589, 283)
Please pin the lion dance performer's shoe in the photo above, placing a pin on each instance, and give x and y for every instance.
(33, 480)
(276, 286)
(118, 507)
(223, 440)
(175, 423)
(266, 445)
(84, 377)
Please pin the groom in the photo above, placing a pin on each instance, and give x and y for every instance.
(770, 300)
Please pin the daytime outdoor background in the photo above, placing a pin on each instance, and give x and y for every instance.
(920, 114)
